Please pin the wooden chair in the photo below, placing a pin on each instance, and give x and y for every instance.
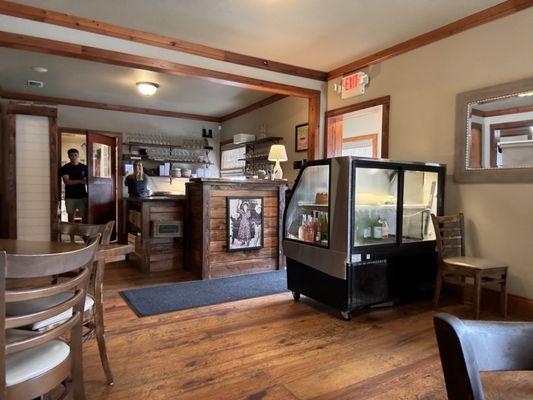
(84, 231)
(35, 363)
(94, 310)
(469, 347)
(453, 263)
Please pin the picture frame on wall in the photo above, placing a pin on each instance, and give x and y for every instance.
(244, 223)
(301, 137)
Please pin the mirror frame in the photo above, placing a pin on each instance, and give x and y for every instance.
(490, 175)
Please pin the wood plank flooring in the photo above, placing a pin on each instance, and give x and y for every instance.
(266, 348)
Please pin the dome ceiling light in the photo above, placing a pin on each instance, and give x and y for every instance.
(147, 88)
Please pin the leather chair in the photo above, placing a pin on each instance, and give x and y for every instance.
(469, 347)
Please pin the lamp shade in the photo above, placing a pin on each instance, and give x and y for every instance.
(277, 153)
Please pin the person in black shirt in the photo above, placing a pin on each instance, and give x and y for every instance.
(74, 175)
(137, 182)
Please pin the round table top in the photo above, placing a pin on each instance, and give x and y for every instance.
(12, 246)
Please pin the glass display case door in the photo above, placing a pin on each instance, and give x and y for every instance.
(307, 214)
(375, 208)
(420, 200)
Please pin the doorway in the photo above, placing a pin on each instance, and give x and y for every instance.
(100, 152)
(360, 130)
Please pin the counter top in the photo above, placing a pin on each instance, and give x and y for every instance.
(240, 181)
(156, 198)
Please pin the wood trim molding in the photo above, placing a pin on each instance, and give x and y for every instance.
(27, 109)
(313, 119)
(471, 21)
(518, 306)
(105, 106)
(503, 111)
(56, 47)
(253, 107)
(358, 106)
(11, 177)
(332, 146)
(134, 35)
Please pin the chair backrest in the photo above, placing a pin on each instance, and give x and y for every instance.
(449, 232)
(85, 231)
(469, 347)
(25, 267)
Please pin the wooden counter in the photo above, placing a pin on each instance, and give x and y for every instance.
(155, 253)
(206, 234)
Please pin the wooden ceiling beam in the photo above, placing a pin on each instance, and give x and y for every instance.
(471, 21)
(134, 35)
(104, 106)
(253, 107)
(55, 47)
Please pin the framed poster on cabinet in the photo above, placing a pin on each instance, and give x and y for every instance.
(244, 224)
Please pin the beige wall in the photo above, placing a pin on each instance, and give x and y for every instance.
(422, 85)
(280, 119)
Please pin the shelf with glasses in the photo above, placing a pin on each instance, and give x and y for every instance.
(133, 157)
(168, 146)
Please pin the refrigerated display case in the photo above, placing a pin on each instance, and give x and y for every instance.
(358, 231)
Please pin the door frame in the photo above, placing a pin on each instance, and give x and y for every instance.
(55, 160)
(331, 117)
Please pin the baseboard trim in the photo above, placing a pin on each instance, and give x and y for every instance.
(517, 306)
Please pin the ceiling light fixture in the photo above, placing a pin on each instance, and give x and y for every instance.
(39, 69)
(526, 94)
(147, 88)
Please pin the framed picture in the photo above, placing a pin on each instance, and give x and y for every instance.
(244, 223)
(300, 137)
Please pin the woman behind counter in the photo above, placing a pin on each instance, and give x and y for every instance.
(137, 182)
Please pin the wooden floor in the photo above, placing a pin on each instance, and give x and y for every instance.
(266, 348)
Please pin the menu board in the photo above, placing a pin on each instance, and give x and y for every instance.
(233, 158)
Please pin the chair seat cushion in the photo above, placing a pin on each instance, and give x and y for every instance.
(473, 262)
(27, 364)
(32, 306)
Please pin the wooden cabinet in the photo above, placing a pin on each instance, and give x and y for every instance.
(153, 252)
(206, 236)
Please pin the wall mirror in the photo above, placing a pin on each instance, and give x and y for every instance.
(494, 134)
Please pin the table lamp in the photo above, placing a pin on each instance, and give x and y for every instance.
(277, 153)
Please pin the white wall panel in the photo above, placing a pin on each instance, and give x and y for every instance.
(33, 177)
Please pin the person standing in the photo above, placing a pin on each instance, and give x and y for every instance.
(74, 175)
(137, 182)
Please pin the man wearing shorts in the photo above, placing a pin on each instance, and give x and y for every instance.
(74, 176)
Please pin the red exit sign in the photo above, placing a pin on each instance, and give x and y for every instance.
(353, 85)
(350, 82)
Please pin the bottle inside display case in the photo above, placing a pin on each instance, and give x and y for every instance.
(375, 206)
(307, 218)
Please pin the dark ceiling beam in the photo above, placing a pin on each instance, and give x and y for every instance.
(253, 107)
(56, 47)
(104, 106)
(134, 35)
(482, 17)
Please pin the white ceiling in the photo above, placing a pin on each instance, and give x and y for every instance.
(319, 34)
(86, 80)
